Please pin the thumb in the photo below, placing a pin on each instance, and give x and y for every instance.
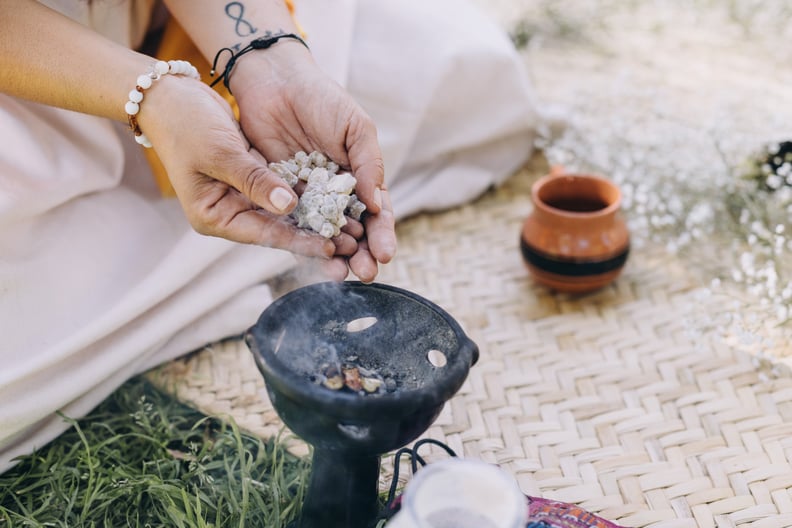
(248, 173)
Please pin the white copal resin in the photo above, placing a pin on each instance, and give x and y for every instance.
(328, 197)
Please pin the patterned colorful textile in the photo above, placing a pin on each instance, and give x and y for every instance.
(544, 513)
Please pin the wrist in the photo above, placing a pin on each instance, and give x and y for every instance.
(277, 63)
(160, 96)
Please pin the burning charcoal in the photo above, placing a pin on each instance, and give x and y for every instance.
(334, 382)
(352, 379)
(332, 378)
(370, 380)
(371, 384)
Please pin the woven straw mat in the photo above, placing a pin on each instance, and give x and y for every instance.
(614, 401)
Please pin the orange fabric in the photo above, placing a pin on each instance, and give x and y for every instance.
(290, 6)
(176, 44)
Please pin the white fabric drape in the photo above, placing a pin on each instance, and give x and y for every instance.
(101, 278)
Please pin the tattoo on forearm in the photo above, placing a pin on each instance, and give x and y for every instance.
(236, 12)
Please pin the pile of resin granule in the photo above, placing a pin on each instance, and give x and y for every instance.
(328, 197)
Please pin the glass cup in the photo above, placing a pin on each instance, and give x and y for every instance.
(459, 493)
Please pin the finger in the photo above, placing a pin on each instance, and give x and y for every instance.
(346, 245)
(354, 228)
(381, 233)
(336, 268)
(365, 160)
(233, 217)
(363, 264)
(258, 156)
(251, 176)
(315, 270)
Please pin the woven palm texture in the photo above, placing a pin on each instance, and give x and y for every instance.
(615, 400)
(629, 402)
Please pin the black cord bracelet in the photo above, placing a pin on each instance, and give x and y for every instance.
(260, 43)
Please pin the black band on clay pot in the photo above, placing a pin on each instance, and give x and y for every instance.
(571, 267)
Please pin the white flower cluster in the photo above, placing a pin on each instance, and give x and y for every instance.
(328, 197)
(679, 156)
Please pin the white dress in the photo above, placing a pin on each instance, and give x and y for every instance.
(102, 278)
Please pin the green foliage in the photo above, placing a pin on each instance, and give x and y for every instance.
(143, 459)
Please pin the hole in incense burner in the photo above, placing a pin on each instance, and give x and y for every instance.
(355, 432)
(279, 342)
(360, 324)
(437, 358)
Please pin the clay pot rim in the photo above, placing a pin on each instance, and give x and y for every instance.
(553, 175)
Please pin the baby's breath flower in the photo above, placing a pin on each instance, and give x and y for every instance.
(707, 177)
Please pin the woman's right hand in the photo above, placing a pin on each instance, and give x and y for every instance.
(223, 185)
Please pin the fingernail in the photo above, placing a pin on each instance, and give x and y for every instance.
(378, 197)
(280, 198)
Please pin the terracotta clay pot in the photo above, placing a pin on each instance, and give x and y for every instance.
(575, 239)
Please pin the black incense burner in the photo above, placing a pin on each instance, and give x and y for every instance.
(412, 354)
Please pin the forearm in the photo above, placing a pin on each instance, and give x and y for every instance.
(47, 58)
(217, 24)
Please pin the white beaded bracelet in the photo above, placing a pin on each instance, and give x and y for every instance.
(158, 69)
